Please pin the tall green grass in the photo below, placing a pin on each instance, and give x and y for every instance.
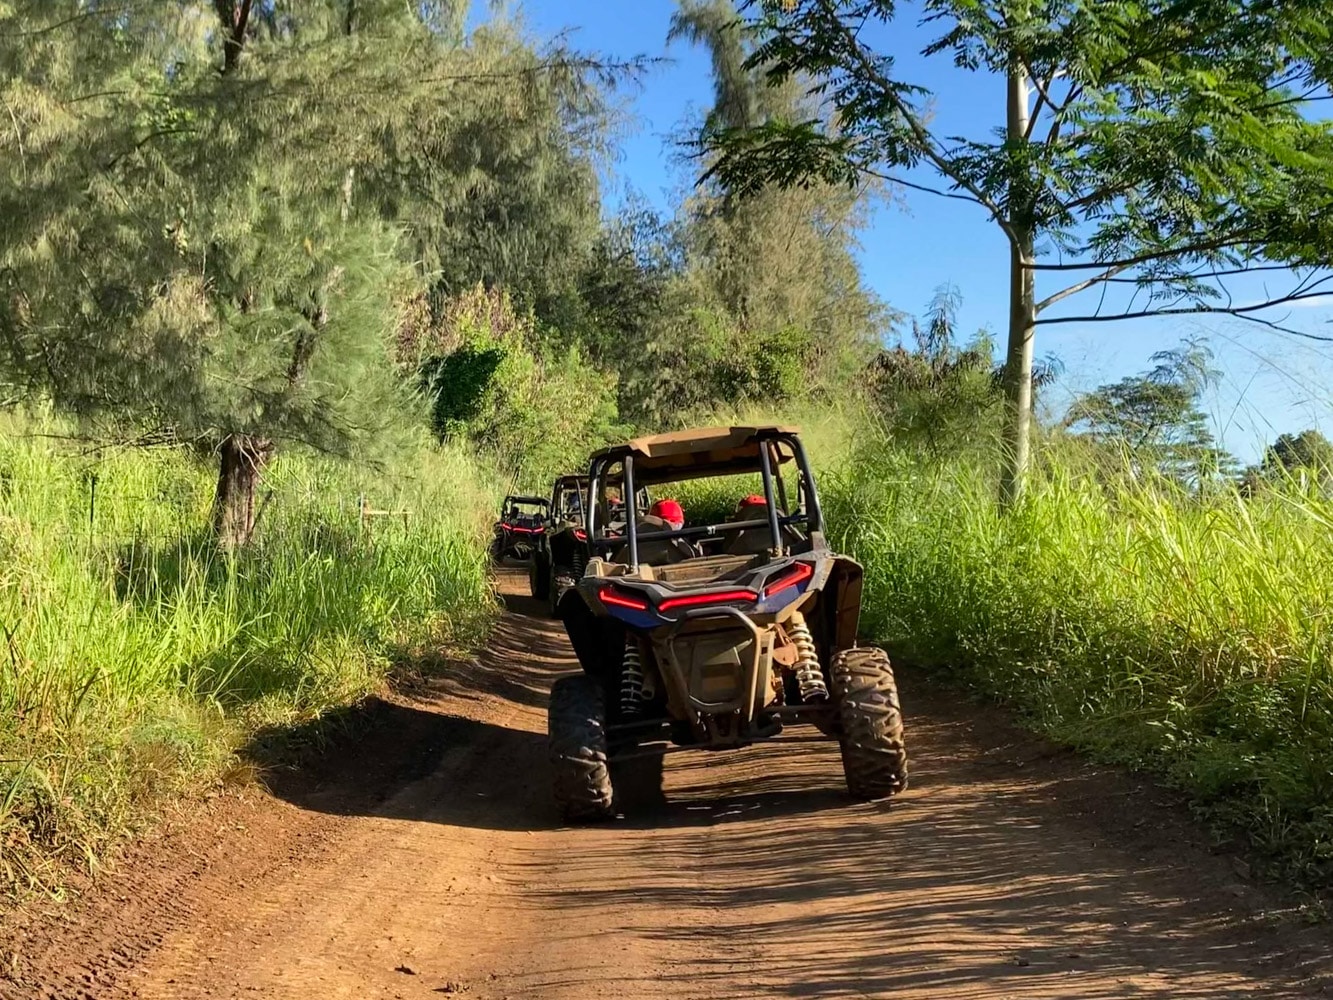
(135, 657)
(1149, 625)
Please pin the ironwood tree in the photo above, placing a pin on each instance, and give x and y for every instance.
(215, 211)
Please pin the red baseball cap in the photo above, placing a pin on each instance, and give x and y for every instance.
(668, 510)
(753, 500)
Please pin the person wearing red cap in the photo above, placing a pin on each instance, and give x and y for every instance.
(749, 541)
(669, 511)
(749, 506)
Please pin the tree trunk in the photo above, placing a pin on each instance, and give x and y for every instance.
(241, 460)
(234, 17)
(1018, 372)
(1022, 315)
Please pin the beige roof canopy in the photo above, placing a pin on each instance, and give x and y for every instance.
(702, 451)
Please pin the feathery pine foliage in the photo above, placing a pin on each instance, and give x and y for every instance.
(195, 248)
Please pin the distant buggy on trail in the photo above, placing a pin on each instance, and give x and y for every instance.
(522, 521)
(717, 634)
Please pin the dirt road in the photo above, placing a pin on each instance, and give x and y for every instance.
(425, 860)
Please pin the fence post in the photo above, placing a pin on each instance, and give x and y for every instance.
(92, 504)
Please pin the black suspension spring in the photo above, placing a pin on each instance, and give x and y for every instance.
(631, 678)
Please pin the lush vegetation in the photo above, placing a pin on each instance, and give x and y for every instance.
(138, 655)
(1157, 149)
(263, 260)
(1183, 633)
(1123, 612)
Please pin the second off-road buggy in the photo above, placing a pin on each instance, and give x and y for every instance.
(718, 634)
(522, 521)
(561, 555)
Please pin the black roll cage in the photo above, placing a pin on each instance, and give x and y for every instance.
(562, 485)
(810, 515)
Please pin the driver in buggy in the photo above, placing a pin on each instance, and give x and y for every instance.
(664, 515)
(750, 541)
(669, 511)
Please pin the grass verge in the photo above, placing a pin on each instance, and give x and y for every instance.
(136, 657)
(1182, 633)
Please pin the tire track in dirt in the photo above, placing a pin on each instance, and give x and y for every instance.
(1007, 870)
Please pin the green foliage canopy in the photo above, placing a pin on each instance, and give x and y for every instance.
(1156, 148)
(206, 251)
(1153, 421)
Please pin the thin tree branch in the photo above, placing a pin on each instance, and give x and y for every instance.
(159, 134)
(1209, 275)
(1201, 247)
(18, 139)
(636, 64)
(1074, 289)
(1109, 191)
(890, 178)
(1240, 312)
(97, 11)
(924, 140)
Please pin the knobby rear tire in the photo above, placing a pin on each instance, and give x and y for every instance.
(576, 730)
(874, 756)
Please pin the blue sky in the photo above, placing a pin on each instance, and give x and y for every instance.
(1272, 383)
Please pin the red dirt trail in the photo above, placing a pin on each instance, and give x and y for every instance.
(424, 859)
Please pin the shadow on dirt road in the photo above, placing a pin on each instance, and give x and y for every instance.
(421, 855)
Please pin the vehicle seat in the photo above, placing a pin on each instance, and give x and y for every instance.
(660, 552)
(749, 542)
(755, 541)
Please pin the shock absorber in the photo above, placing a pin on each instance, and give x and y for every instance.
(631, 678)
(808, 675)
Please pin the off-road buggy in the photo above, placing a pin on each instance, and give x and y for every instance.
(562, 553)
(718, 634)
(522, 521)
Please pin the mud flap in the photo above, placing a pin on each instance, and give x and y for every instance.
(598, 642)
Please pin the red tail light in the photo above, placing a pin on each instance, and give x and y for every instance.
(610, 595)
(694, 600)
(797, 574)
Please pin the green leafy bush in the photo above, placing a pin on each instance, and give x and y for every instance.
(536, 412)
